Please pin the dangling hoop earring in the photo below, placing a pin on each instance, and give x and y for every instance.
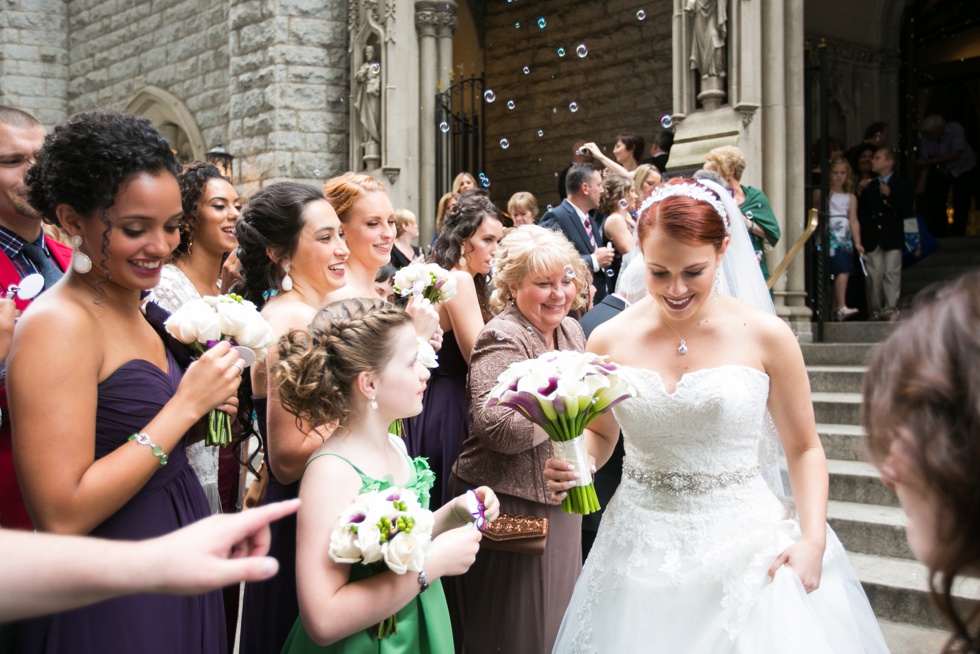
(374, 402)
(80, 262)
(287, 281)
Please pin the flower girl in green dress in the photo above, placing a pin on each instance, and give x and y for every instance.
(358, 368)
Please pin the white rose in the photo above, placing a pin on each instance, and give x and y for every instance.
(257, 336)
(234, 317)
(343, 546)
(427, 355)
(369, 542)
(405, 552)
(448, 289)
(406, 278)
(425, 522)
(194, 321)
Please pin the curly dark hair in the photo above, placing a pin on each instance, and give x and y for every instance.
(271, 221)
(922, 389)
(460, 225)
(317, 368)
(86, 159)
(193, 180)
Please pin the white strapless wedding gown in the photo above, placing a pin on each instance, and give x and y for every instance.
(680, 562)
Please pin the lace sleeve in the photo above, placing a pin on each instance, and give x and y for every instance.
(173, 289)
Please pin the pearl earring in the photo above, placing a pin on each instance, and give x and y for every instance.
(374, 402)
(287, 281)
(80, 261)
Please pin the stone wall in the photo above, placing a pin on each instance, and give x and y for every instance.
(288, 87)
(34, 57)
(622, 84)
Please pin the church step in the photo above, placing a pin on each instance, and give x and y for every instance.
(903, 638)
(870, 528)
(858, 481)
(857, 332)
(836, 379)
(837, 408)
(843, 442)
(898, 589)
(836, 354)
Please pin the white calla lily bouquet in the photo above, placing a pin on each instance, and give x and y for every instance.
(562, 392)
(434, 283)
(201, 324)
(388, 526)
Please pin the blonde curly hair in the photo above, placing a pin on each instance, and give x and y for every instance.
(533, 250)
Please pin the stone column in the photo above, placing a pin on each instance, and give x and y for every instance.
(432, 19)
(774, 131)
(796, 149)
(444, 35)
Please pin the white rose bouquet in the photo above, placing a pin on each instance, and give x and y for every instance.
(202, 324)
(562, 392)
(432, 282)
(388, 526)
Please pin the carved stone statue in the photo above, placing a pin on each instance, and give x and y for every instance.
(708, 42)
(368, 97)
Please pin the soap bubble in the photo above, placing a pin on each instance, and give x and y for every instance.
(549, 206)
(489, 95)
(485, 182)
(511, 104)
(561, 52)
(444, 127)
(540, 133)
(581, 51)
(542, 23)
(504, 144)
(623, 203)
(375, 68)
(610, 272)
(554, 110)
(517, 26)
(666, 121)
(573, 107)
(316, 172)
(527, 70)
(640, 15)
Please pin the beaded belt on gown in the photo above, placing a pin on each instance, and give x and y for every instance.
(683, 483)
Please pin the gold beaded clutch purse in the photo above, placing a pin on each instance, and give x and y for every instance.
(520, 534)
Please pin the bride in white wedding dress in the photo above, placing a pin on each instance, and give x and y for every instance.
(698, 552)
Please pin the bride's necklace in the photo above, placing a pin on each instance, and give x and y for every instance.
(682, 348)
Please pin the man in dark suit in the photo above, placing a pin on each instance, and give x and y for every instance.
(884, 205)
(579, 155)
(660, 150)
(571, 217)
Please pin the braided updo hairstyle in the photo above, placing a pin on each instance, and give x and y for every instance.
(193, 180)
(270, 222)
(316, 370)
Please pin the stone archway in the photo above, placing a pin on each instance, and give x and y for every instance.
(173, 119)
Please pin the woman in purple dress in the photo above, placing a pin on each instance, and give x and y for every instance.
(465, 246)
(100, 403)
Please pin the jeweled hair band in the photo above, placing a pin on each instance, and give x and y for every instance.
(695, 191)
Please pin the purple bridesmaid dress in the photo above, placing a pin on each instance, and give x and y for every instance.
(173, 498)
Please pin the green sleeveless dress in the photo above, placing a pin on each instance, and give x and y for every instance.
(423, 625)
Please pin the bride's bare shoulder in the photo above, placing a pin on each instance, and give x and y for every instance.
(615, 335)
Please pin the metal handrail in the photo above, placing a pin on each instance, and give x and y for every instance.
(811, 228)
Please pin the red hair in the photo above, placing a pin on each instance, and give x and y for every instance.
(343, 191)
(690, 221)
